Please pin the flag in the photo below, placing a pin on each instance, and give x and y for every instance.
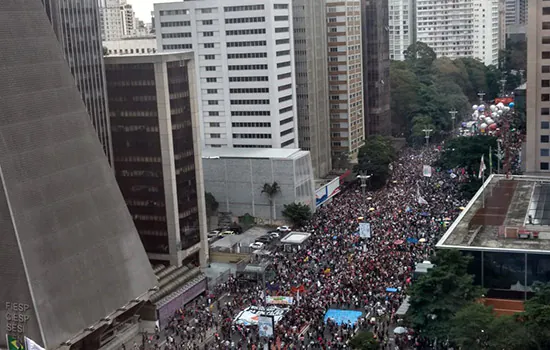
(427, 171)
(419, 197)
(481, 168)
(31, 345)
(13, 343)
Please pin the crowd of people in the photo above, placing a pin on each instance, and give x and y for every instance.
(338, 269)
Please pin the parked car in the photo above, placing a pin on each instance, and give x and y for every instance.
(214, 233)
(274, 234)
(227, 233)
(284, 229)
(257, 245)
(264, 239)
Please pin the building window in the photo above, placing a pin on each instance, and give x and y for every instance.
(286, 143)
(243, 8)
(544, 152)
(209, 57)
(251, 136)
(546, 39)
(545, 97)
(250, 113)
(287, 131)
(215, 136)
(206, 10)
(249, 90)
(286, 121)
(211, 80)
(281, 18)
(207, 22)
(281, 30)
(546, 10)
(283, 53)
(545, 69)
(211, 91)
(545, 111)
(245, 31)
(176, 35)
(212, 102)
(249, 102)
(239, 79)
(213, 114)
(544, 138)
(251, 125)
(285, 98)
(283, 64)
(175, 24)
(177, 46)
(285, 110)
(282, 41)
(284, 76)
(545, 54)
(209, 45)
(247, 55)
(244, 20)
(280, 6)
(210, 68)
(246, 43)
(543, 165)
(248, 67)
(544, 125)
(285, 87)
(207, 33)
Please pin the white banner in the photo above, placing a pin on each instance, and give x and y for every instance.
(251, 315)
(279, 300)
(31, 345)
(364, 230)
(265, 326)
(427, 171)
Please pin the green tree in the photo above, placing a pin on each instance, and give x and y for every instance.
(297, 213)
(438, 295)
(537, 316)
(420, 57)
(510, 333)
(364, 341)
(471, 327)
(374, 159)
(271, 190)
(211, 204)
(420, 123)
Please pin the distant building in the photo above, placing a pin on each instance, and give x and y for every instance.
(402, 27)
(538, 87)
(157, 157)
(73, 271)
(376, 67)
(310, 62)
(131, 46)
(516, 12)
(118, 20)
(345, 66)
(76, 24)
(245, 68)
(236, 177)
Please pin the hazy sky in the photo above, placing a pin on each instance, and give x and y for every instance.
(143, 8)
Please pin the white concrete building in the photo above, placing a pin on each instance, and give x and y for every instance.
(245, 71)
(469, 28)
(131, 46)
(402, 27)
(118, 20)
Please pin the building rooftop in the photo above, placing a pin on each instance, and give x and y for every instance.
(147, 57)
(295, 238)
(501, 212)
(262, 153)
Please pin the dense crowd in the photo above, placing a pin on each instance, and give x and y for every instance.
(337, 268)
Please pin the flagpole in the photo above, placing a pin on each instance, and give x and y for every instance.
(483, 188)
(490, 160)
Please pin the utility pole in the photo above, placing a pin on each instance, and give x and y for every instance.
(427, 137)
(481, 94)
(453, 117)
(364, 179)
(502, 86)
(500, 154)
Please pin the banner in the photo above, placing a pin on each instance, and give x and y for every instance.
(279, 300)
(31, 345)
(251, 315)
(427, 171)
(265, 326)
(14, 343)
(364, 230)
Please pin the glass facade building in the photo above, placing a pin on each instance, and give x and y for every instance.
(77, 27)
(155, 154)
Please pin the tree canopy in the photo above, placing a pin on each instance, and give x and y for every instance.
(374, 159)
(425, 88)
(364, 341)
(297, 213)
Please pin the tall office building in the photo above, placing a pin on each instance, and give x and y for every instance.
(538, 87)
(76, 24)
(376, 67)
(402, 27)
(245, 68)
(345, 78)
(310, 62)
(118, 20)
(516, 12)
(157, 155)
(469, 28)
(72, 263)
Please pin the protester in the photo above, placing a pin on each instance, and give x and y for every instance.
(337, 268)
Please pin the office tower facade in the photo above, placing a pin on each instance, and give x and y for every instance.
(376, 67)
(345, 78)
(118, 20)
(402, 27)
(76, 24)
(516, 12)
(310, 62)
(538, 88)
(245, 68)
(71, 258)
(157, 156)
(469, 28)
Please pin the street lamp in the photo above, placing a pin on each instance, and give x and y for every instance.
(503, 85)
(481, 94)
(427, 137)
(364, 179)
(500, 154)
(453, 116)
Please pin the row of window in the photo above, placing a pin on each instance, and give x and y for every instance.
(284, 76)
(287, 131)
(177, 47)
(283, 64)
(251, 125)
(281, 18)
(243, 8)
(283, 53)
(282, 41)
(245, 31)
(176, 35)
(251, 136)
(248, 67)
(252, 146)
(285, 87)
(286, 121)
(246, 43)
(174, 12)
(249, 90)
(285, 98)
(247, 55)
(175, 24)
(285, 110)
(249, 113)
(247, 79)
(244, 20)
(287, 143)
(249, 102)
(281, 30)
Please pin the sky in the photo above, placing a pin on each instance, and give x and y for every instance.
(143, 8)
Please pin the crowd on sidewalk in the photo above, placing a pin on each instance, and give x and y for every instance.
(337, 268)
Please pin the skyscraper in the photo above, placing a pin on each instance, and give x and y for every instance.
(70, 255)
(310, 62)
(402, 27)
(345, 79)
(538, 87)
(245, 68)
(157, 154)
(516, 12)
(376, 67)
(76, 24)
